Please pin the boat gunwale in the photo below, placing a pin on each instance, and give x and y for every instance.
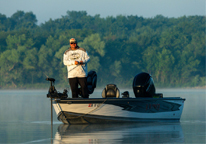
(70, 100)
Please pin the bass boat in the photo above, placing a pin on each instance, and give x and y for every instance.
(111, 107)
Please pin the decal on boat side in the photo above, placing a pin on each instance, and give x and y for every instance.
(155, 106)
(148, 107)
(93, 105)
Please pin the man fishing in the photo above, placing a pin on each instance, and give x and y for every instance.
(76, 59)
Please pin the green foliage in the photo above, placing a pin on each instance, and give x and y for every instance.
(172, 50)
(94, 45)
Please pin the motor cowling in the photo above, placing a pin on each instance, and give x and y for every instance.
(143, 85)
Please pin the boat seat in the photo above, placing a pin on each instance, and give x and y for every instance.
(91, 81)
(110, 90)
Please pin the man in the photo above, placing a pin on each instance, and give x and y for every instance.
(76, 59)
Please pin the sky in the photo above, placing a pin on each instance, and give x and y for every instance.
(46, 9)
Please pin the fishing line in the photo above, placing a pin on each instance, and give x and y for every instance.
(45, 75)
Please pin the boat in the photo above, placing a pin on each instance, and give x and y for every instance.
(147, 106)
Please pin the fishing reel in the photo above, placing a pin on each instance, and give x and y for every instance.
(52, 93)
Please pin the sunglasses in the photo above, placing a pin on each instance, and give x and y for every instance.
(72, 43)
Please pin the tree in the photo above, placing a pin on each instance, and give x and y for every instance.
(172, 50)
(96, 48)
(45, 63)
(30, 64)
(62, 68)
(11, 71)
(19, 40)
(22, 19)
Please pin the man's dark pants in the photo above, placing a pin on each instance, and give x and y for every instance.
(74, 86)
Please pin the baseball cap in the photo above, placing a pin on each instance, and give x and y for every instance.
(72, 40)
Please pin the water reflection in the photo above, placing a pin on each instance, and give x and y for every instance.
(120, 133)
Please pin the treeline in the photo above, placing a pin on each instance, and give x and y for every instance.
(172, 50)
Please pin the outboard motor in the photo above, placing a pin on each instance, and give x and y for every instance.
(143, 85)
(110, 90)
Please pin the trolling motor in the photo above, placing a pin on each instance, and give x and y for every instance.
(52, 93)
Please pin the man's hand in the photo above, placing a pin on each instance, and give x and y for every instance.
(76, 62)
(81, 63)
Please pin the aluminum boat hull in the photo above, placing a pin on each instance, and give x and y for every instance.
(114, 110)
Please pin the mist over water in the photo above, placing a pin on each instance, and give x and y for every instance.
(25, 118)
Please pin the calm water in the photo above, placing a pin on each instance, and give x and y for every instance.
(25, 118)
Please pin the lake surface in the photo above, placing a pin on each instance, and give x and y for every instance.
(25, 118)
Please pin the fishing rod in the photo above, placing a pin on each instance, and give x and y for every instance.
(74, 68)
(79, 64)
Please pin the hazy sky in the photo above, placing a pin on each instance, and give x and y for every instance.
(46, 9)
